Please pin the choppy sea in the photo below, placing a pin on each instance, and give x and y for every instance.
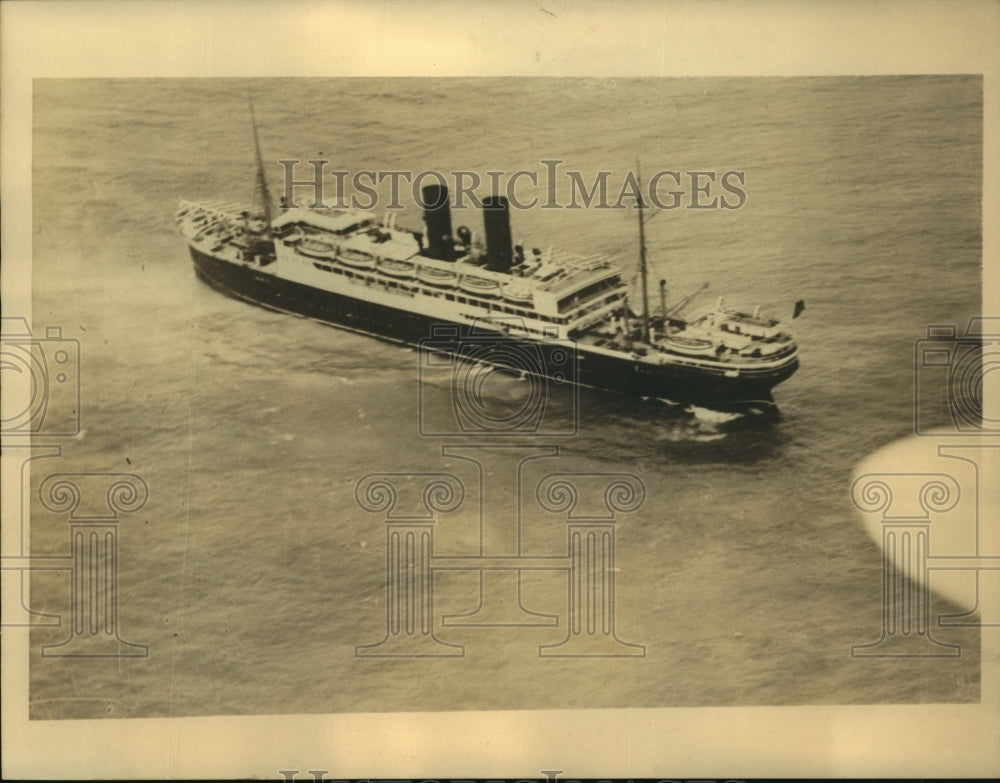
(252, 573)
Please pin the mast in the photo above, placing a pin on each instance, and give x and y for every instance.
(642, 258)
(261, 179)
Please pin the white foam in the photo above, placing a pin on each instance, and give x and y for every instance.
(712, 416)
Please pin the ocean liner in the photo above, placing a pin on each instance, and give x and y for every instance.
(563, 317)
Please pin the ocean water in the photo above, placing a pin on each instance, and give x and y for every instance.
(252, 573)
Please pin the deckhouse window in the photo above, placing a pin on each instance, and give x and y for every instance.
(587, 293)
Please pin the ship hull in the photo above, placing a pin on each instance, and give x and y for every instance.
(676, 382)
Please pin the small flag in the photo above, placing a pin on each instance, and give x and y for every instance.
(799, 307)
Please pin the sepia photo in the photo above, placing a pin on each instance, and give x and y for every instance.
(360, 408)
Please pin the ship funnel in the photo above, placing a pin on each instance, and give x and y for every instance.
(496, 221)
(437, 216)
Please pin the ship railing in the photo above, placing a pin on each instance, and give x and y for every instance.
(594, 315)
(228, 208)
(738, 311)
(587, 262)
(735, 358)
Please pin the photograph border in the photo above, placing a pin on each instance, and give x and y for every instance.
(228, 38)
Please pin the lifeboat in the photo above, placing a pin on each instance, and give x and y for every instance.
(690, 346)
(394, 268)
(479, 285)
(316, 248)
(293, 236)
(435, 276)
(356, 259)
(519, 294)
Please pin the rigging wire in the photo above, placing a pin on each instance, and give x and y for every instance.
(645, 223)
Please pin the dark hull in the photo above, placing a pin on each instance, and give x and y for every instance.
(674, 382)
